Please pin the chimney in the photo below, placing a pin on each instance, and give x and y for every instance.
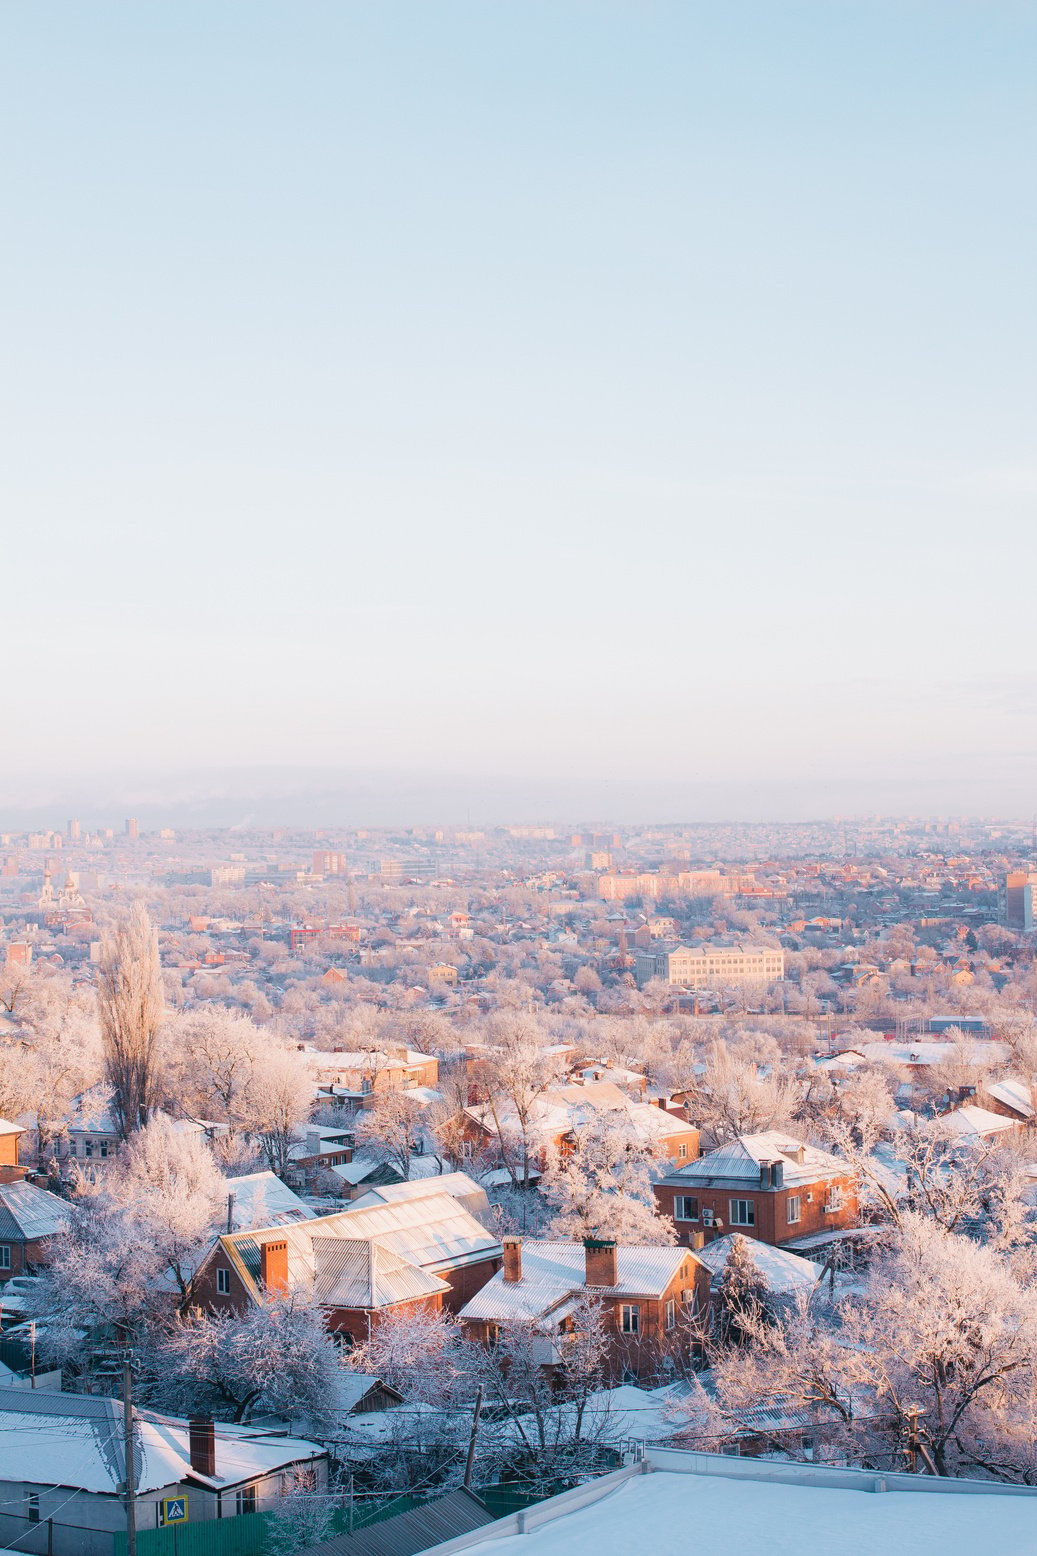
(601, 1262)
(203, 1446)
(273, 1265)
(230, 1213)
(512, 1258)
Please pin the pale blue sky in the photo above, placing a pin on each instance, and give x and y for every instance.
(637, 390)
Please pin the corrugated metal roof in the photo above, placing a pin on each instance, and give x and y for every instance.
(28, 1213)
(364, 1273)
(408, 1534)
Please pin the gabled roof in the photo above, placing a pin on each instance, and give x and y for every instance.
(261, 1199)
(365, 1273)
(28, 1213)
(433, 1232)
(76, 1441)
(553, 1273)
(782, 1273)
(458, 1184)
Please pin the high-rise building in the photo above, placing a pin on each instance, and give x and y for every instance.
(132, 827)
(1019, 900)
(74, 831)
(326, 863)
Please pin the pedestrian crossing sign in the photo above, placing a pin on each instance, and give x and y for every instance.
(174, 1510)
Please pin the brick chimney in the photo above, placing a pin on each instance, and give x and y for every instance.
(273, 1265)
(602, 1262)
(512, 1258)
(203, 1446)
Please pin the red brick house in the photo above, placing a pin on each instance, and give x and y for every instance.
(768, 1186)
(10, 1134)
(29, 1218)
(651, 1298)
(405, 1246)
(558, 1114)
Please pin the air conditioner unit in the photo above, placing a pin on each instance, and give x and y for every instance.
(707, 1218)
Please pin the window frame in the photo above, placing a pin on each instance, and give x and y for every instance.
(6, 1260)
(222, 1280)
(685, 1199)
(630, 1318)
(736, 1220)
(797, 1200)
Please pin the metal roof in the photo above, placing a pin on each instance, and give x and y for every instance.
(458, 1512)
(28, 1213)
(739, 1162)
(364, 1273)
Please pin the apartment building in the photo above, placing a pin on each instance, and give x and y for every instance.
(711, 966)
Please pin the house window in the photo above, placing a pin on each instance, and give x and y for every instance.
(682, 1151)
(32, 1506)
(223, 1282)
(630, 1318)
(685, 1208)
(671, 1314)
(792, 1209)
(245, 1500)
(5, 1256)
(835, 1197)
(743, 1212)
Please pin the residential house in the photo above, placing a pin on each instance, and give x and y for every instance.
(409, 1245)
(63, 1469)
(557, 1116)
(10, 1135)
(29, 1218)
(650, 1296)
(767, 1186)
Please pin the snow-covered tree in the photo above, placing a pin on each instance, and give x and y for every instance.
(390, 1129)
(277, 1353)
(602, 1186)
(301, 1516)
(170, 1194)
(741, 1293)
(129, 994)
(415, 1351)
(514, 1074)
(737, 1095)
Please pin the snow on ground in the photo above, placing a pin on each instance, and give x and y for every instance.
(670, 1514)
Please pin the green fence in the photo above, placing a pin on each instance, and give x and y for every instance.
(245, 1535)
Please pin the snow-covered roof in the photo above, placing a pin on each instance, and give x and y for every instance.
(368, 1274)
(458, 1184)
(972, 1123)
(783, 1273)
(7, 1128)
(261, 1199)
(763, 1509)
(1013, 1093)
(981, 1053)
(28, 1213)
(740, 1160)
(553, 1273)
(432, 1231)
(76, 1440)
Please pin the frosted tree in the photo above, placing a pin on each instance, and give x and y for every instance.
(167, 1188)
(277, 1353)
(302, 1516)
(512, 1077)
(53, 1055)
(738, 1096)
(741, 1293)
(416, 1351)
(129, 993)
(602, 1185)
(390, 1129)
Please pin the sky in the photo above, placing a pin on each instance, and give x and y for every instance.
(535, 391)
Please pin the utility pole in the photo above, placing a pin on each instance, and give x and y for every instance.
(470, 1461)
(131, 1463)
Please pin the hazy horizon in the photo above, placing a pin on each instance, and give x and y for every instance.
(265, 798)
(570, 398)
